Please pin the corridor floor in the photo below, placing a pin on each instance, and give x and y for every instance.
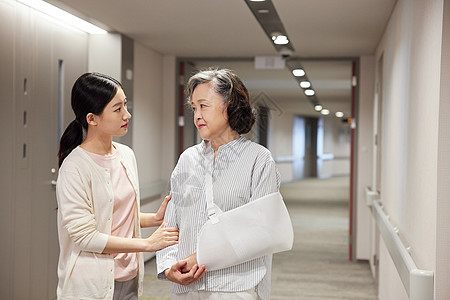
(317, 267)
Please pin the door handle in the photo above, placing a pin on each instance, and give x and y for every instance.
(53, 182)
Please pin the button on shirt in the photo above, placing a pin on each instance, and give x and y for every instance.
(243, 171)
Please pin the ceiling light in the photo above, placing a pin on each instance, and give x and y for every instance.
(318, 107)
(298, 72)
(63, 16)
(339, 114)
(325, 112)
(305, 84)
(309, 92)
(257, 0)
(263, 11)
(281, 40)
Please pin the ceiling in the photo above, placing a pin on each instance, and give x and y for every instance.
(325, 35)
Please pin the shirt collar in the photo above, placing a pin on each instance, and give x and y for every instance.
(205, 144)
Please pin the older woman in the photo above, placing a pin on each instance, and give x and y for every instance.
(242, 171)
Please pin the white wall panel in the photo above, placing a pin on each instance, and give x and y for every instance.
(105, 54)
(168, 123)
(442, 275)
(365, 146)
(33, 46)
(147, 116)
(7, 146)
(280, 143)
(411, 47)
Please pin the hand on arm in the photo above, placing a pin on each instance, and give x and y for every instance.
(176, 274)
(191, 262)
(161, 238)
(155, 219)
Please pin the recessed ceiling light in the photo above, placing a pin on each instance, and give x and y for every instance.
(281, 40)
(305, 84)
(298, 72)
(339, 114)
(257, 0)
(325, 112)
(309, 92)
(263, 11)
(318, 107)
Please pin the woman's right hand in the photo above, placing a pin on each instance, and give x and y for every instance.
(162, 238)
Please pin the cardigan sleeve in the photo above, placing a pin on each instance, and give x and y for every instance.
(77, 212)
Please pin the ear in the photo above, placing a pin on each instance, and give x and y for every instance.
(91, 119)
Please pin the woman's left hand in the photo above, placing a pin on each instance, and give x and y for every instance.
(159, 216)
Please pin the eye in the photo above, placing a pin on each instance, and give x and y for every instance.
(119, 109)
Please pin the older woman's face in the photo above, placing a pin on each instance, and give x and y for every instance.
(210, 114)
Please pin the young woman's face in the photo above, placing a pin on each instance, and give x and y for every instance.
(210, 114)
(114, 118)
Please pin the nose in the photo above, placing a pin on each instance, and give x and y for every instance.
(127, 114)
(197, 115)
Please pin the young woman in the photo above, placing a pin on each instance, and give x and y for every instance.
(99, 217)
(242, 171)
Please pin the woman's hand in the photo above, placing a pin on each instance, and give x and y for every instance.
(155, 219)
(175, 273)
(162, 238)
(159, 216)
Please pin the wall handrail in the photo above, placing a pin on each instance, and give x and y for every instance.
(419, 284)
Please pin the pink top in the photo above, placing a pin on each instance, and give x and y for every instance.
(125, 264)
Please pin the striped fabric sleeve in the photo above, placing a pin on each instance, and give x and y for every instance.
(166, 257)
(265, 178)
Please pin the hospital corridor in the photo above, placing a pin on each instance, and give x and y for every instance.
(340, 106)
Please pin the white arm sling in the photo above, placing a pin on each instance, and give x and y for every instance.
(257, 228)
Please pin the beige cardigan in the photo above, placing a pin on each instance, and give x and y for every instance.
(85, 206)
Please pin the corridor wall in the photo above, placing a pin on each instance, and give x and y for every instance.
(280, 143)
(286, 149)
(154, 126)
(442, 274)
(336, 145)
(364, 157)
(40, 61)
(154, 113)
(411, 50)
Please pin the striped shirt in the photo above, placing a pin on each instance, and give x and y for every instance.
(243, 171)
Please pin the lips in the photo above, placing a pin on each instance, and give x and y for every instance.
(125, 126)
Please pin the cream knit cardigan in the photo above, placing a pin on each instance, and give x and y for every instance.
(85, 206)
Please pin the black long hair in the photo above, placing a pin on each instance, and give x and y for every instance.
(90, 94)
